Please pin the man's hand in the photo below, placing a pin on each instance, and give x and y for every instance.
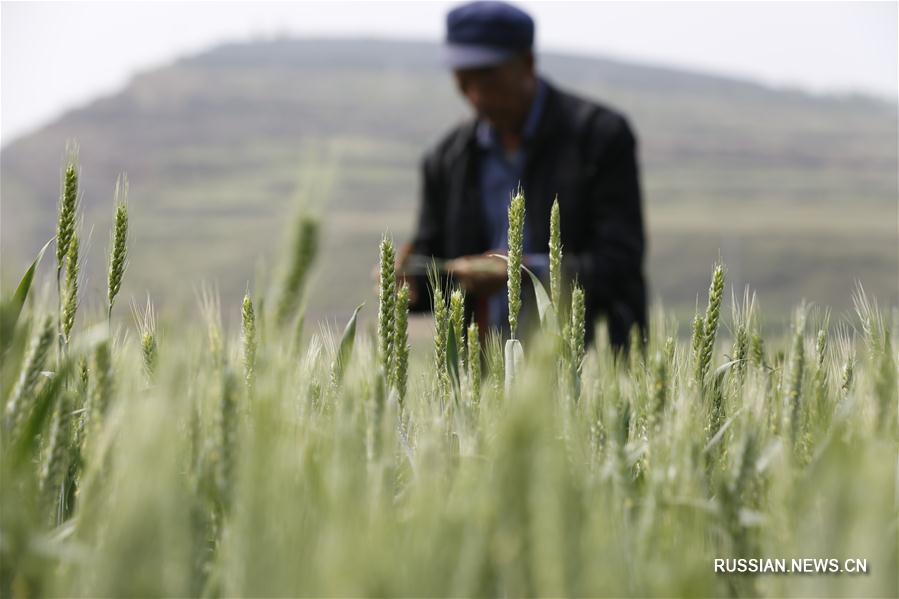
(481, 274)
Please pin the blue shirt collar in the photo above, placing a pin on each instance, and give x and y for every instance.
(485, 135)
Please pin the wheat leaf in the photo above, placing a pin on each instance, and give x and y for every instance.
(544, 305)
(346, 344)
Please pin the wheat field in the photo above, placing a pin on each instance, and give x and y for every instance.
(283, 457)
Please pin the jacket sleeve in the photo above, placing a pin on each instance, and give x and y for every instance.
(427, 240)
(612, 259)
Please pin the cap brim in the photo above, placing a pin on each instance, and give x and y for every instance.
(465, 56)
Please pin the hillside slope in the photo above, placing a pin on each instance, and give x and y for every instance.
(798, 193)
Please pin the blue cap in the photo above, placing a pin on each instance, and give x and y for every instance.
(483, 34)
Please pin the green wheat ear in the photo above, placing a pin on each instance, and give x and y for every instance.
(710, 324)
(146, 327)
(669, 351)
(577, 332)
(71, 303)
(696, 335)
(103, 387)
(457, 320)
(401, 343)
(248, 325)
(19, 403)
(65, 230)
(210, 310)
(757, 349)
(555, 256)
(740, 350)
(54, 469)
(119, 253)
(68, 206)
(516, 251)
(743, 316)
(820, 374)
(473, 361)
(226, 450)
(659, 386)
(846, 377)
(303, 255)
(441, 327)
(793, 385)
(386, 308)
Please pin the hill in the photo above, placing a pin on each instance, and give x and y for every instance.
(797, 192)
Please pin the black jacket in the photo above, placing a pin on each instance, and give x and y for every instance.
(582, 152)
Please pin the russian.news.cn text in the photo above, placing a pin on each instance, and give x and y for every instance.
(802, 565)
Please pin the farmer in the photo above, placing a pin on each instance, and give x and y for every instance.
(528, 132)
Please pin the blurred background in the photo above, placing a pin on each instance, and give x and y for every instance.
(767, 131)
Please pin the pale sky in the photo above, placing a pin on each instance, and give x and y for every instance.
(57, 56)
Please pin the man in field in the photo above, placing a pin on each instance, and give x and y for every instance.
(526, 131)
